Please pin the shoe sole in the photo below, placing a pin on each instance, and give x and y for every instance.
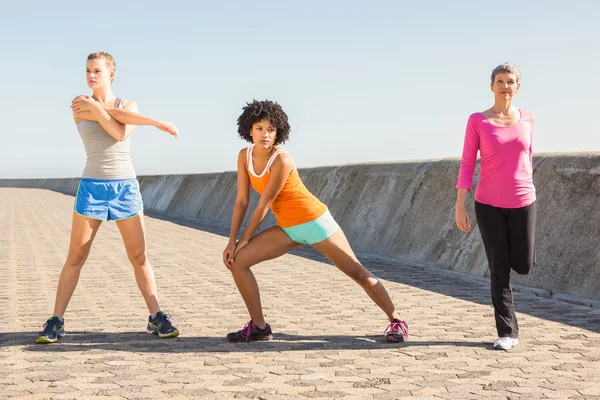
(502, 348)
(392, 339)
(173, 334)
(261, 339)
(45, 340)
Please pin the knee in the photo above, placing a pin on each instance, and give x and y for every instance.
(523, 268)
(362, 276)
(138, 259)
(500, 280)
(239, 266)
(76, 259)
(523, 263)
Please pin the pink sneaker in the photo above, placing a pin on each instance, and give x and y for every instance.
(396, 332)
(251, 333)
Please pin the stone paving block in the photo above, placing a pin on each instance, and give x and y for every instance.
(328, 340)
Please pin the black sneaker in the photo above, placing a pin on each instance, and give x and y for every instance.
(53, 330)
(161, 326)
(251, 333)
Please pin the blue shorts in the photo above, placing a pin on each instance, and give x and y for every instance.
(314, 231)
(108, 200)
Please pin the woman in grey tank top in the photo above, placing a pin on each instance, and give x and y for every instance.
(108, 191)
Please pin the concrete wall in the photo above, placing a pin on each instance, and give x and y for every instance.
(405, 211)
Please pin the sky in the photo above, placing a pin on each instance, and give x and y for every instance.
(361, 81)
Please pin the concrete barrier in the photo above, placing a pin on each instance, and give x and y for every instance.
(405, 211)
(62, 185)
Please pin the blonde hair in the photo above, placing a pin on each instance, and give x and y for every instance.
(110, 61)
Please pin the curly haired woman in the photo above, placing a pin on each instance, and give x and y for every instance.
(301, 219)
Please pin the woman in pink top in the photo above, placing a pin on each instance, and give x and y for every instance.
(505, 195)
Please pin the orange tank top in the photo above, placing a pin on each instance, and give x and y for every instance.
(294, 205)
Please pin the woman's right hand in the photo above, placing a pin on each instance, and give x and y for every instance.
(228, 254)
(167, 127)
(462, 218)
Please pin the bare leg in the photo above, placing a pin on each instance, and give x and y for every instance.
(337, 249)
(134, 238)
(83, 232)
(269, 244)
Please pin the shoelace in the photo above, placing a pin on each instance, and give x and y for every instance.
(396, 327)
(245, 331)
(164, 318)
(48, 327)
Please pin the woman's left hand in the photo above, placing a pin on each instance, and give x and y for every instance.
(83, 103)
(242, 243)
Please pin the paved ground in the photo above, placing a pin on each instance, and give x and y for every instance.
(328, 341)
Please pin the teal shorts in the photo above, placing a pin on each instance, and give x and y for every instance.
(314, 231)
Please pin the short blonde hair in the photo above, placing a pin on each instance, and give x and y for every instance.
(110, 61)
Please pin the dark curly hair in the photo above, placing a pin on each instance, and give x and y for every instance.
(259, 110)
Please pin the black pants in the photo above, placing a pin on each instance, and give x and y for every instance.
(508, 237)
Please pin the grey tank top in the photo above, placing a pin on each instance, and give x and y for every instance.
(107, 158)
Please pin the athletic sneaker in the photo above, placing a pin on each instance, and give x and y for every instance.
(396, 332)
(251, 333)
(506, 343)
(53, 330)
(161, 326)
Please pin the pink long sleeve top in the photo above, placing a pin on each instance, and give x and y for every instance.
(506, 172)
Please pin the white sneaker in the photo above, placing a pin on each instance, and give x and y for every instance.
(506, 343)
